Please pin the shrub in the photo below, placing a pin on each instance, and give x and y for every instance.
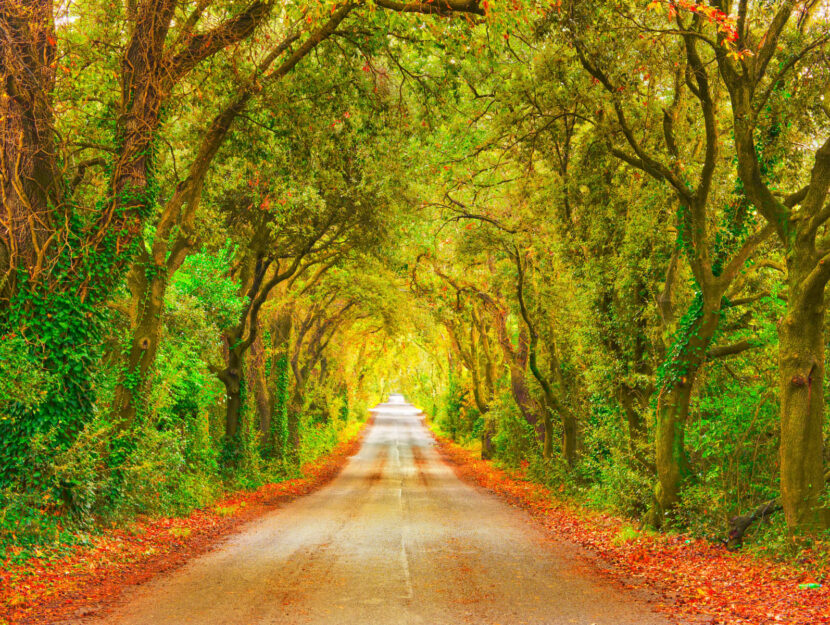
(515, 440)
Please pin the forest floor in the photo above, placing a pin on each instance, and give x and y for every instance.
(57, 586)
(696, 578)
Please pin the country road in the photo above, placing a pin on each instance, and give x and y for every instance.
(397, 539)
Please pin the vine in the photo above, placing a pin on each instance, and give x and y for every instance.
(734, 229)
(279, 418)
(61, 320)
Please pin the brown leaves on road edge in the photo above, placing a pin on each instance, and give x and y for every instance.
(696, 578)
(47, 590)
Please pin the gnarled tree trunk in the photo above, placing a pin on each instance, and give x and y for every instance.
(801, 369)
(146, 309)
(801, 331)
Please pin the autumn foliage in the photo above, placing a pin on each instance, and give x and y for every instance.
(591, 238)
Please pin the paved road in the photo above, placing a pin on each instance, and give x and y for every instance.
(397, 539)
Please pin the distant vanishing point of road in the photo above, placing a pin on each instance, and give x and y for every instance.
(395, 539)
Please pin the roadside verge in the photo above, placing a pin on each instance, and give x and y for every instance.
(48, 590)
(695, 577)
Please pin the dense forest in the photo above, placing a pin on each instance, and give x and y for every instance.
(589, 239)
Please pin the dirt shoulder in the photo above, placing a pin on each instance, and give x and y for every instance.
(51, 589)
(697, 580)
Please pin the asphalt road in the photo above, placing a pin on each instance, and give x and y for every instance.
(397, 539)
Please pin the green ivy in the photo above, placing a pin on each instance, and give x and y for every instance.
(279, 419)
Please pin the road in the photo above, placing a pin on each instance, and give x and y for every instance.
(397, 539)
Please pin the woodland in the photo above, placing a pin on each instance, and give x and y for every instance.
(589, 239)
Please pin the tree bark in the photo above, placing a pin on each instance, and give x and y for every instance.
(552, 402)
(258, 387)
(670, 452)
(30, 181)
(146, 309)
(673, 409)
(801, 369)
(636, 425)
(517, 359)
(233, 379)
(295, 409)
(490, 369)
(279, 435)
(634, 408)
(277, 383)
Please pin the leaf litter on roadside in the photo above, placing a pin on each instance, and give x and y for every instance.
(695, 577)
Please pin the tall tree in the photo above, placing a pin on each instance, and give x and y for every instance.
(774, 46)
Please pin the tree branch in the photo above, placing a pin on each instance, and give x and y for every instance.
(433, 7)
(201, 46)
(723, 351)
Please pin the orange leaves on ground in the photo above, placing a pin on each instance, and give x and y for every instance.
(49, 589)
(695, 577)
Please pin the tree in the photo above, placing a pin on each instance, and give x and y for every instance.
(61, 260)
(774, 42)
(716, 246)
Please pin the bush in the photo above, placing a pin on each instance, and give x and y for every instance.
(514, 441)
(732, 439)
(317, 438)
(157, 479)
(82, 475)
(28, 390)
(449, 419)
(615, 478)
(27, 521)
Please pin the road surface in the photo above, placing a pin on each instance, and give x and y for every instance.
(397, 539)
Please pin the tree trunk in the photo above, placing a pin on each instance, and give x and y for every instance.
(292, 453)
(30, 180)
(237, 344)
(146, 308)
(281, 338)
(490, 374)
(673, 408)
(801, 331)
(569, 437)
(279, 417)
(528, 406)
(670, 452)
(801, 365)
(635, 423)
(232, 377)
(634, 405)
(487, 433)
(547, 441)
(233, 410)
(258, 384)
